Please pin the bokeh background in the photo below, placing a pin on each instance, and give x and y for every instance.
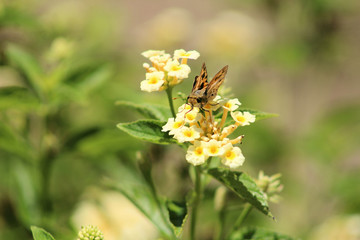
(299, 59)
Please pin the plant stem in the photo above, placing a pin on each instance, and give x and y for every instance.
(198, 193)
(221, 224)
(245, 212)
(169, 95)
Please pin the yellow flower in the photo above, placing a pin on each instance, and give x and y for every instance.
(175, 69)
(187, 115)
(196, 154)
(188, 134)
(160, 61)
(181, 53)
(153, 82)
(232, 156)
(152, 53)
(214, 148)
(173, 126)
(244, 118)
(232, 104)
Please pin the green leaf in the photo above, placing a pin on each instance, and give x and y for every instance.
(41, 234)
(147, 130)
(133, 186)
(178, 215)
(244, 186)
(95, 78)
(259, 114)
(13, 143)
(258, 234)
(17, 98)
(148, 110)
(27, 65)
(25, 192)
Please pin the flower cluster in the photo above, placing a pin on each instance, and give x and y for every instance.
(90, 233)
(165, 70)
(208, 137)
(270, 185)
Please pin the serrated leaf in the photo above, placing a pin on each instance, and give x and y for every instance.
(27, 65)
(148, 110)
(17, 98)
(147, 130)
(177, 215)
(133, 186)
(258, 234)
(259, 114)
(40, 234)
(244, 186)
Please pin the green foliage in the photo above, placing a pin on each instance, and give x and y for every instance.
(17, 98)
(27, 65)
(147, 130)
(41, 234)
(259, 114)
(243, 186)
(135, 186)
(178, 215)
(148, 110)
(258, 234)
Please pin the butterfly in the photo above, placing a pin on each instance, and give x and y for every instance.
(203, 92)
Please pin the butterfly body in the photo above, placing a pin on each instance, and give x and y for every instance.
(203, 92)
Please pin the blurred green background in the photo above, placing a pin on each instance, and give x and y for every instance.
(64, 64)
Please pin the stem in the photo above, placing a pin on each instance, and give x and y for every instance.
(245, 212)
(196, 202)
(221, 224)
(169, 95)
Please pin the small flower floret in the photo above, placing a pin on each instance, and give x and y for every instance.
(153, 82)
(243, 118)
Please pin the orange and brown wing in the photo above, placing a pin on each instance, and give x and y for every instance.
(215, 83)
(200, 81)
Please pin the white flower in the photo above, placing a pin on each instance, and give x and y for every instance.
(213, 148)
(160, 60)
(189, 115)
(173, 126)
(152, 53)
(244, 118)
(232, 156)
(196, 154)
(188, 134)
(232, 104)
(181, 53)
(187, 107)
(153, 82)
(175, 69)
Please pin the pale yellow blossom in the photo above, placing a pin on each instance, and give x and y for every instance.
(153, 82)
(243, 118)
(181, 53)
(152, 53)
(232, 156)
(214, 148)
(188, 134)
(173, 126)
(175, 69)
(160, 61)
(196, 154)
(232, 104)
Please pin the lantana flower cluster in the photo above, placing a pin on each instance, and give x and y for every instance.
(207, 137)
(166, 71)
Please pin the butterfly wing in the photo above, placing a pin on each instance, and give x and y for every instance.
(200, 83)
(215, 83)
